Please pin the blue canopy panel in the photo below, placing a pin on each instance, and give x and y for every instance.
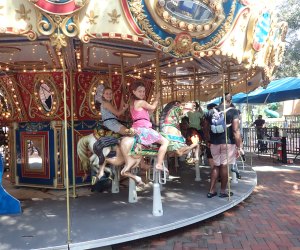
(277, 91)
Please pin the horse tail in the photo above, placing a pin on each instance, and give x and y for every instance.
(102, 143)
(82, 147)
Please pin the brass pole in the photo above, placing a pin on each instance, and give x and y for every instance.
(66, 151)
(195, 98)
(248, 121)
(228, 77)
(122, 81)
(172, 89)
(109, 76)
(226, 134)
(158, 84)
(74, 195)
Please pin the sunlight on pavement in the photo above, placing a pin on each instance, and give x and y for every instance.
(271, 168)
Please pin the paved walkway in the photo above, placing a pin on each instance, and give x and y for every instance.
(268, 219)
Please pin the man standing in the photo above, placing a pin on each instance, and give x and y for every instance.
(260, 125)
(222, 153)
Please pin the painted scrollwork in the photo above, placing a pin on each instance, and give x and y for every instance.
(137, 9)
(58, 27)
(276, 48)
(256, 37)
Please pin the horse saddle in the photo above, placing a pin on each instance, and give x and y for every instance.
(144, 150)
(102, 131)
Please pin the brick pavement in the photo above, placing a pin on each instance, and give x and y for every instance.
(268, 219)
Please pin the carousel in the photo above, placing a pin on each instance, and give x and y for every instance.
(56, 57)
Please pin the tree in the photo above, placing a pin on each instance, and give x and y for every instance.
(289, 11)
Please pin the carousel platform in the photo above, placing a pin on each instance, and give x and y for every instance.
(104, 219)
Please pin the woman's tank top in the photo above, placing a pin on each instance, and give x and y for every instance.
(140, 118)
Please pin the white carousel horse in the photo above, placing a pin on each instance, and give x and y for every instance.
(92, 163)
(127, 149)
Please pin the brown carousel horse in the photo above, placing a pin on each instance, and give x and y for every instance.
(128, 152)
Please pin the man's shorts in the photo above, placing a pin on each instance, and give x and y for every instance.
(219, 154)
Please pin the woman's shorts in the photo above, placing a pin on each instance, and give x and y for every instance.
(220, 153)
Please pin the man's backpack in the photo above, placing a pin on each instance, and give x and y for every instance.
(218, 125)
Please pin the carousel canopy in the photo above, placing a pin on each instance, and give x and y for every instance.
(195, 47)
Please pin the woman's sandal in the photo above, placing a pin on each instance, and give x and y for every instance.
(210, 195)
(225, 195)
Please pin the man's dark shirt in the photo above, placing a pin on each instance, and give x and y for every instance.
(259, 123)
(231, 114)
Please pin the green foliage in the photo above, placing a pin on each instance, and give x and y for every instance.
(289, 11)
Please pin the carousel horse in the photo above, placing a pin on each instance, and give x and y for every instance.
(110, 155)
(128, 150)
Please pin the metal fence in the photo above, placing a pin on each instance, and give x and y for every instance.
(292, 138)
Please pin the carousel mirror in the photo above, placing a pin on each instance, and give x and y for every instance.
(189, 10)
(34, 154)
(45, 96)
(95, 96)
(98, 96)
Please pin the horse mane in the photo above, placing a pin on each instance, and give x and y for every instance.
(165, 112)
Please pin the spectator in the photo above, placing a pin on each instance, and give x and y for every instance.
(224, 154)
(260, 132)
(259, 125)
(195, 117)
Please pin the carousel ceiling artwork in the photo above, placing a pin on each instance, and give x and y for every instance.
(198, 46)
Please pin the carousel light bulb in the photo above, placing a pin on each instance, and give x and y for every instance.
(39, 108)
(217, 52)
(183, 61)
(12, 89)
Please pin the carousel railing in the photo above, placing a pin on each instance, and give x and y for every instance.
(292, 136)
